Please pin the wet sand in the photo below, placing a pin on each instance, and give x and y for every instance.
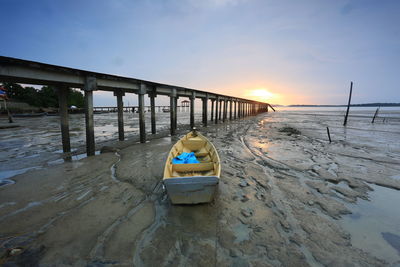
(283, 200)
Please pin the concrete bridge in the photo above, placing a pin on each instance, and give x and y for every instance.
(136, 108)
(223, 107)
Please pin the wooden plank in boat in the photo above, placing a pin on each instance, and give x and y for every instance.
(194, 144)
(196, 167)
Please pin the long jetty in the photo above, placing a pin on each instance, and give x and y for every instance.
(62, 78)
(136, 108)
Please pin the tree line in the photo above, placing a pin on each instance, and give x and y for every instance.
(45, 97)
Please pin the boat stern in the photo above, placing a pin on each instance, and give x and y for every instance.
(191, 190)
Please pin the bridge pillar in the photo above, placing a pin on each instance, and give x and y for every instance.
(220, 110)
(64, 122)
(216, 110)
(89, 87)
(152, 96)
(205, 110)
(224, 116)
(212, 109)
(230, 109)
(235, 110)
(142, 125)
(120, 107)
(176, 113)
(172, 110)
(192, 99)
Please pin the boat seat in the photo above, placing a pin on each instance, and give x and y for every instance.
(193, 167)
(201, 153)
(193, 145)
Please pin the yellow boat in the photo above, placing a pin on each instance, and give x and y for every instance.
(194, 182)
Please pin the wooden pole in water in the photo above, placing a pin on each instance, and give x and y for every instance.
(329, 135)
(271, 107)
(376, 113)
(192, 98)
(90, 86)
(64, 122)
(348, 105)
(142, 125)
(120, 107)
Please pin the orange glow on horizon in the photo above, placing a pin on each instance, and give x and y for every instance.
(263, 95)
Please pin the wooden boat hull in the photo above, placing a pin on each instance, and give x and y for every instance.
(191, 190)
(192, 183)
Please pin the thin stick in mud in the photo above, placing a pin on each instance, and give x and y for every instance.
(329, 135)
(376, 113)
(348, 105)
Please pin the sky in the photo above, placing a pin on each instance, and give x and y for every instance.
(281, 52)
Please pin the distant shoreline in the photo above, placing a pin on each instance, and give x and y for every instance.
(352, 105)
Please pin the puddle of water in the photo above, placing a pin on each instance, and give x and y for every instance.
(5, 175)
(375, 225)
(242, 232)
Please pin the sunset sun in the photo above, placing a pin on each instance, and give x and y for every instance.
(261, 94)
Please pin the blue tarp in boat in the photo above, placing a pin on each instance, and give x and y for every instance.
(185, 158)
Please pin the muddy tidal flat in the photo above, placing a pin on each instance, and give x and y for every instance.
(286, 197)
